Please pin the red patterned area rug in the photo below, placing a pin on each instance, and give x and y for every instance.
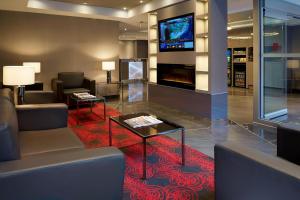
(166, 177)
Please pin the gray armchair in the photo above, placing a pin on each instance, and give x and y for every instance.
(246, 174)
(68, 83)
(40, 157)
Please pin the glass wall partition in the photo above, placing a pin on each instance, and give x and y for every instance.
(280, 56)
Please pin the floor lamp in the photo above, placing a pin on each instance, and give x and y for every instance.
(18, 76)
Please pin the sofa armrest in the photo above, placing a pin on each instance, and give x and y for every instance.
(90, 84)
(40, 97)
(288, 142)
(247, 174)
(58, 87)
(42, 116)
(81, 174)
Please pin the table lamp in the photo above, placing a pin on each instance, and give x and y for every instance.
(36, 65)
(18, 76)
(108, 66)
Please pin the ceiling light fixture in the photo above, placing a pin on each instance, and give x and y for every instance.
(141, 1)
(125, 29)
(84, 3)
(124, 8)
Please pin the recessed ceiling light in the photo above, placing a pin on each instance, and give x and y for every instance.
(85, 3)
(141, 1)
(124, 8)
(125, 29)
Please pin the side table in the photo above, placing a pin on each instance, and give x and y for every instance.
(107, 89)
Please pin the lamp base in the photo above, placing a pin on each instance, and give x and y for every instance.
(108, 77)
(21, 94)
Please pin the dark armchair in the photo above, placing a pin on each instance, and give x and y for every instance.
(68, 83)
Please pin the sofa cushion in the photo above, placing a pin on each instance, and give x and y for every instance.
(9, 145)
(36, 142)
(75, 90)
(7, 93)
(71, 79)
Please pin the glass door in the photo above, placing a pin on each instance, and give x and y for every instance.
(280, 51)
(274, 95)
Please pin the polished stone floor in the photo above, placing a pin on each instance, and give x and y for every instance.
(240, 106)
(201, 134)
(240, 110)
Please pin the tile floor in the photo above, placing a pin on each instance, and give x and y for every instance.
(201, 133)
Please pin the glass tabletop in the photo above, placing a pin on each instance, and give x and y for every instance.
(97, 98)
(148, 131)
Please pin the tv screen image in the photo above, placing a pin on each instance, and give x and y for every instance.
(177, 34)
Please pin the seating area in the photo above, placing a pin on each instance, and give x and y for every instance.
(149, 100)
(40, 155)
(68, 83)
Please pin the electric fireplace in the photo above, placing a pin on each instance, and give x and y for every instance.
(176, 75)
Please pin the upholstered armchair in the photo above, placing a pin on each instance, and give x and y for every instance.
(68, 83)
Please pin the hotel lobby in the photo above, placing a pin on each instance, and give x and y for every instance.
(149, 99)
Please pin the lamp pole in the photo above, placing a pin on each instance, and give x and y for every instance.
(108, 76)
(21, 94)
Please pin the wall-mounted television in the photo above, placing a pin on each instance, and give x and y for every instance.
(176, 33)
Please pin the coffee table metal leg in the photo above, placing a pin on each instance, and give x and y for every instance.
(91, 108)
(122, 91)
(77, 112)
(104, 104)
(144, 158)
(110, 133)
(182, 147)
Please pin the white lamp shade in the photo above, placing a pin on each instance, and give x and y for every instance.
(18, 75)
(36, 65)
(108, 65)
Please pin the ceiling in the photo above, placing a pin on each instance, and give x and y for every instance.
(117, 4)
(134, 19)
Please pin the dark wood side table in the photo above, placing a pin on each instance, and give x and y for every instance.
(36, 86)
(108, 89)
(149, 132)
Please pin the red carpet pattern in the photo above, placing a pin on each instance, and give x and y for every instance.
(166, 177)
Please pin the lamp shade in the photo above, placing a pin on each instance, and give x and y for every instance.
(18, 75)
(108, 65)
(36, 65)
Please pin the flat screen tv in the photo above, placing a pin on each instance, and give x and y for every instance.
(177, 33)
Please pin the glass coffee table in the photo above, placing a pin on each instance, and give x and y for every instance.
(91, 102)
(148, 132)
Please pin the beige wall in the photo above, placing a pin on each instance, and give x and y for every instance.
(127, 49)
(60, 43)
